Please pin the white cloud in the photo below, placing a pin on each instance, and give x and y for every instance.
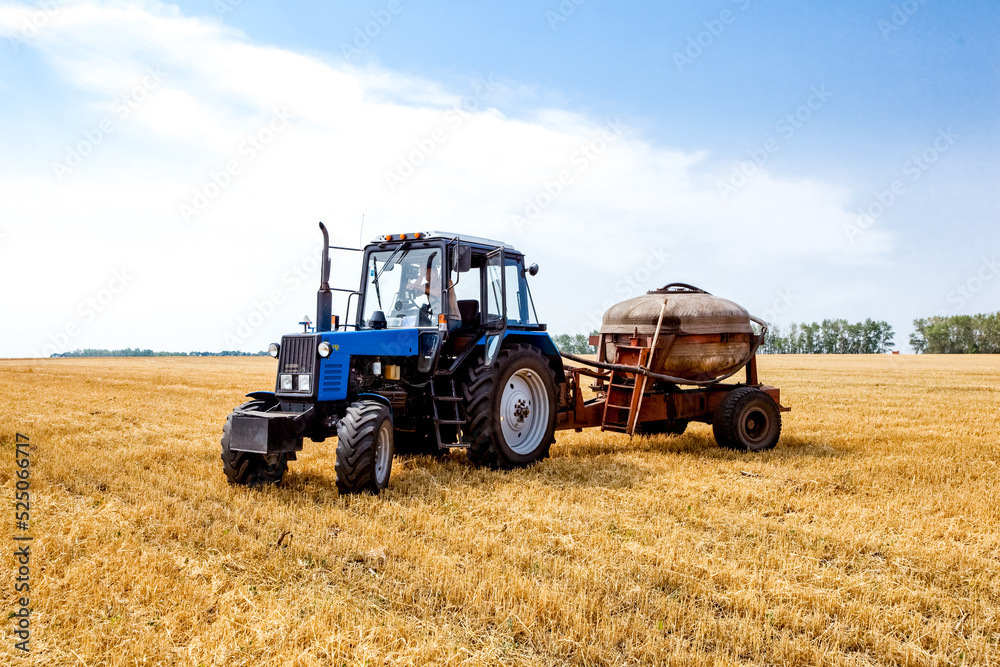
(350, 127)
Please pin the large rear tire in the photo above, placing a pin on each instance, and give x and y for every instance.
(364, 448)
(747, 420)
(510, 409)
(247, 468)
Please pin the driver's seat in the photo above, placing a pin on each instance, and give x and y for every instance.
(469, 309)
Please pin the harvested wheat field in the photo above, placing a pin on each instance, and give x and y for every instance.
(868, 536)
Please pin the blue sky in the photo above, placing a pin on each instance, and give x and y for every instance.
(897, 102)
(608, 58)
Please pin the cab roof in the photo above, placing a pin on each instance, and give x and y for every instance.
(448, 236)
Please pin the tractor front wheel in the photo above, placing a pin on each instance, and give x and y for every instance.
(364, 448)
(510, 409)
(247, 468)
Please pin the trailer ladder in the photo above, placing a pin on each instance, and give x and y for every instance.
(622, 401)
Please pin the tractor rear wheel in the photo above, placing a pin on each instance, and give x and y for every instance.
(247, 468)
(510, 409)
(748, 420)
(364, 448)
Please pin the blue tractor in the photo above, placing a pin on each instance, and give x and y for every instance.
(446, 350)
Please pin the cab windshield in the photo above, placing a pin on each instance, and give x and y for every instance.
(405, 284)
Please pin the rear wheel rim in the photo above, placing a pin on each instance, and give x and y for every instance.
(524, 411)
(383, 454)
(754, 425)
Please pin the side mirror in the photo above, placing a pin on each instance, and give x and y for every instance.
(533, 270)
(461, 258)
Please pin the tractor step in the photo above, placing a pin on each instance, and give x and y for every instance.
(451, 417)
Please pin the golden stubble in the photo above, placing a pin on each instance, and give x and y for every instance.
(868, 536)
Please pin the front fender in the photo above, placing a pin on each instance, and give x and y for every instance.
(267, 396)
(381, 399)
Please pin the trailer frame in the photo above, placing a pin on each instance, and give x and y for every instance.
(656, 402)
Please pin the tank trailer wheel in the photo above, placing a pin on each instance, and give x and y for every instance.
(510, 409)
(247, 468)
(364, 448)
(665, 427)
(748, 420)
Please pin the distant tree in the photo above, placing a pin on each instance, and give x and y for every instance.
(135, 352)
(830, 337)
(578, 344)
(957, 334)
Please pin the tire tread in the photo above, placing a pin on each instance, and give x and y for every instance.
(477, 394)
(355, 464)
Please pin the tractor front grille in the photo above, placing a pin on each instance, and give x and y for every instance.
(298, 357)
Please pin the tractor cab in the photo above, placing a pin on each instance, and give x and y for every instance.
(471, 290)
(443, 280)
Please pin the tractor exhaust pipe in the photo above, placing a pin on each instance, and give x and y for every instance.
(324, 298)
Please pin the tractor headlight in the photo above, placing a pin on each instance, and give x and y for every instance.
(304, 383)
(273, 349)
(324, 349)
(286, 383)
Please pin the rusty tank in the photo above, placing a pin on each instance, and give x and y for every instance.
(701, 337)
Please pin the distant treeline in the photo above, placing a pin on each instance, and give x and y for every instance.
(830, 337)
(958, 334)
(135, 352)
(578, 344)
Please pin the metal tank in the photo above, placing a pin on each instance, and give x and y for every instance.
(701, 337)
